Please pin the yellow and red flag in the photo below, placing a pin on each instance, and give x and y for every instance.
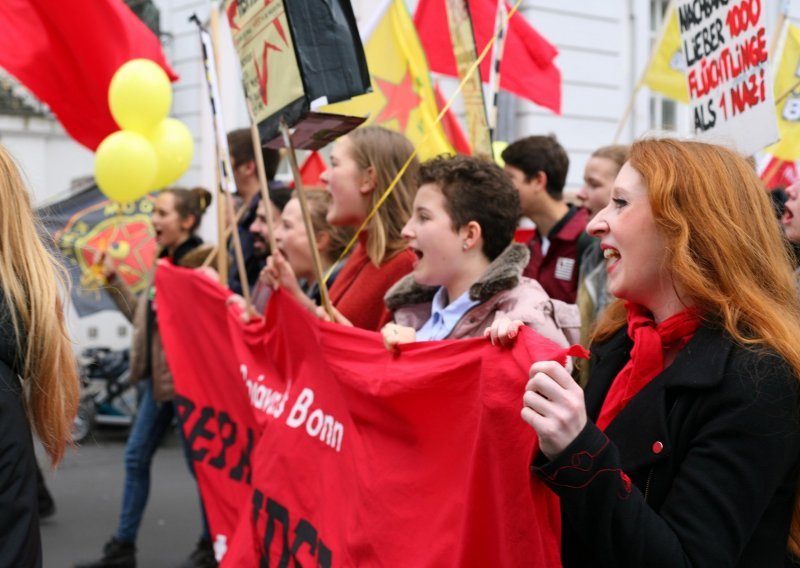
(787, 98)
(667, 71)
(402, 97)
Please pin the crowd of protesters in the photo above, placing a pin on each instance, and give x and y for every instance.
(676, 443)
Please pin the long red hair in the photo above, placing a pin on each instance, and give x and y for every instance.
(725, 250)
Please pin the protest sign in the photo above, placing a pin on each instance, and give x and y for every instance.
(296, 58)
(725, 46)
(312, 442)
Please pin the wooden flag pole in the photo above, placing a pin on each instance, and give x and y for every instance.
(227, 184)
(494, 73)
(312, 238)
(222, 221)
(227, 233)
(262, 176)
(627, 113)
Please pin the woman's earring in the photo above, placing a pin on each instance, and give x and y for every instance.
(464, 246)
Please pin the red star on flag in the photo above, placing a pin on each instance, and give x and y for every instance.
(401, 99)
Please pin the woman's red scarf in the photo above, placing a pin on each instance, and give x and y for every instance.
(650, 340)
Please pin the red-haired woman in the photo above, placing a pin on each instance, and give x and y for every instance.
(686, 447)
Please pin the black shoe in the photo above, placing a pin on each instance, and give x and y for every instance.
(116, 554)
(202, 556)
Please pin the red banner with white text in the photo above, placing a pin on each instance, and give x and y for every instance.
(312, 442)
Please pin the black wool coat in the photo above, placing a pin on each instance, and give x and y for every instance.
(699, 469)
(20, 541)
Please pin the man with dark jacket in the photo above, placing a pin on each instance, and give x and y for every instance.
(248, 187)
(538, 167)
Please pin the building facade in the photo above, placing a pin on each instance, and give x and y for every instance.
(604, 47)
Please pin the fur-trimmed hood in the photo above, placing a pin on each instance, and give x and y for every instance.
(503, 273)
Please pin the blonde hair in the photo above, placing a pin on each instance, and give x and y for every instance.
(617, 153)
(386, 152)
(30, 279)
(724, 249)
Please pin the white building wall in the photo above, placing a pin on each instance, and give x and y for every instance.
(49, 158)
(603, 46)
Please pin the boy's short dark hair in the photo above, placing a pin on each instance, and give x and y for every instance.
(536, 154)
(240, 146)
(476, 190)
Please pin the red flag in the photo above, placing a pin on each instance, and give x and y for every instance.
(362, 457)
(312, 169)
(66, 53)
(527, 67)
(779, 173)
(452, 129)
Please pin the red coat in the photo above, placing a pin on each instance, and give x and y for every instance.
(557, 271)
(360, 286)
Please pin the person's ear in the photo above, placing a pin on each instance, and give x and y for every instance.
(323, 241)
(539, 181)
(250, 168)
(369, 180)
(188, 222)
(471, 235)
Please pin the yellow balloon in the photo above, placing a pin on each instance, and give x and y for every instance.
(125, 166)
(174, 148)
(139, 96)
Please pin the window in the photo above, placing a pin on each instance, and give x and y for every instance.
(663, 111)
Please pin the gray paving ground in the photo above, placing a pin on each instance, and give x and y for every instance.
(87, 488)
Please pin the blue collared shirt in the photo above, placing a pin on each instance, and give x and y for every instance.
(444, 316)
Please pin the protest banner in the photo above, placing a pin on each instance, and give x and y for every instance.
(313, 443)
(86, 222)
(725, 47)
(296, 58)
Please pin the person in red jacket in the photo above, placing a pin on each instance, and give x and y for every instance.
(363, 165)
(538, 167)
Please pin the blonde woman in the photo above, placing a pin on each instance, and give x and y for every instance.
(291, 266)
(293, 249)
(38, 376)
(363, 165)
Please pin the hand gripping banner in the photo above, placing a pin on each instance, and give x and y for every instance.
(315, 444)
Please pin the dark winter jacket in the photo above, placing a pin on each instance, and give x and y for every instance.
(699, 469)
(20, 541)
(502, 292)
